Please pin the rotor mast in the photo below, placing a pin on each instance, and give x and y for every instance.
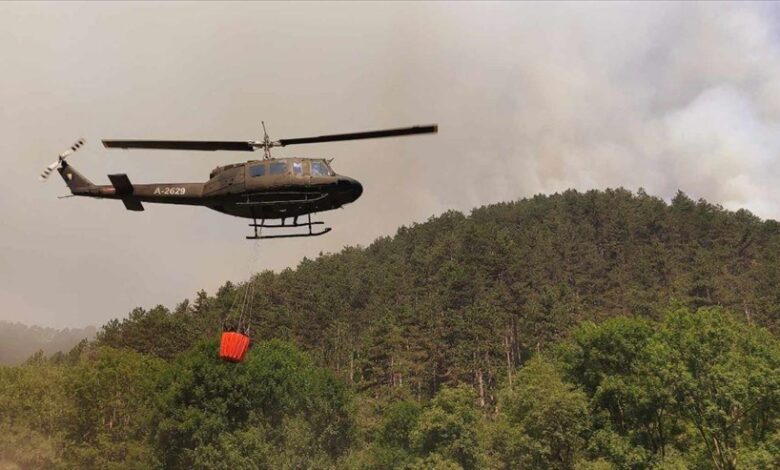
(267, 144)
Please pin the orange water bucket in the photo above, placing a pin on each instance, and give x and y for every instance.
(233, 346)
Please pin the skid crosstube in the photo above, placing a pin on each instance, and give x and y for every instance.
(305, 224)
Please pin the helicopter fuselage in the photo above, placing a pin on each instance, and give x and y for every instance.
(276, 188)
(272, 188)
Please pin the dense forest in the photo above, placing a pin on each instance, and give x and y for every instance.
(592, 330)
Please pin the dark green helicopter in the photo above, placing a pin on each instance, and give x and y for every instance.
(282, 189)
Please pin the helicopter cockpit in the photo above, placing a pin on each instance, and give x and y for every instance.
(303, 167)
(320, 168)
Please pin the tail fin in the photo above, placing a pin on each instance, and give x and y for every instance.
(76, 181)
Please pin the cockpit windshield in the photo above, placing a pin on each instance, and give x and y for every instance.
(319, 168)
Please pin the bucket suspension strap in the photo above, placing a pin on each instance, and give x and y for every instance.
(241, 306)
(244, 319)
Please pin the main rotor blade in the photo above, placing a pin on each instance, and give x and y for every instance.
(362, 135)
(210, 145)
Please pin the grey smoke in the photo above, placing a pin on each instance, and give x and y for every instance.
(529, 98)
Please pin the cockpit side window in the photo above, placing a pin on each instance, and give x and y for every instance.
(257, 170)
(319, 169)
(297, 168)
(278, 168)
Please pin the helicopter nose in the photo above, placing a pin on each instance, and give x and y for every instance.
(357, 189)
(352, 187)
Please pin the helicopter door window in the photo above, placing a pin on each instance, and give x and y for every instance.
(257, 170)
(278, 168)
(319, 169)
(297, 168)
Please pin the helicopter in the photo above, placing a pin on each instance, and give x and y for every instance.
(277, 189)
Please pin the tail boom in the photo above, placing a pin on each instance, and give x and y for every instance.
(132, 195)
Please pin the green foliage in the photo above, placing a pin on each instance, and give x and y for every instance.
(31, 412)
(434, 462)
(110, 392)
(532, 334)
(723, 377)
(157, 331)
(448, 427)
(245, 449)
(443, 433)
(398, 421)
(91, 414)
(276, 395)
(631, 408)
(469, 298)
(544, 420)
(698, 389)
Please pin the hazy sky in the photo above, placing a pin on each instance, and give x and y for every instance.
(529, 98)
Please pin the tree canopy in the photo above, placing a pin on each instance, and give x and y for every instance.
(580, 330)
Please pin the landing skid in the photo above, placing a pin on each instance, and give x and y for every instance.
(295, 223)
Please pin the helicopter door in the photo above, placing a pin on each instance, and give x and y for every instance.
(255, 176)
(297, 169)
(306, 172)
(300, 173)
(227, 181)
(235, 184)
(278, 173)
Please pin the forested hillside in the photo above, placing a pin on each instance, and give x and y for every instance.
(18, 342)
(581, 330)
(466, 299)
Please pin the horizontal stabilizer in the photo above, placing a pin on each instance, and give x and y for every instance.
(121, 183)
(133, 204)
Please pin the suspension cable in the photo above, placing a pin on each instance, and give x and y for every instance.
(249, 292)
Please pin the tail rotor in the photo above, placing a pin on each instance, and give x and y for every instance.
(73, 149)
